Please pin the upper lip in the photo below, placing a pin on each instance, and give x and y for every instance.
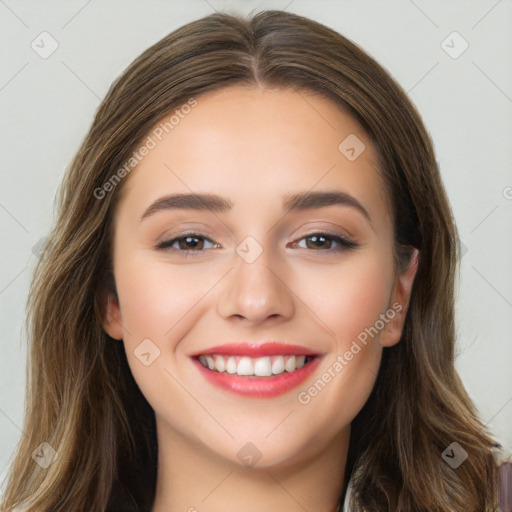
(252, 349)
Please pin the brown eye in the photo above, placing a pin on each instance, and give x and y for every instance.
(195, 243)
(186, 243)
(319, 242)
(325, 241)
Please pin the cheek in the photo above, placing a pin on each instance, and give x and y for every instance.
(155, 299)
(159, 306)
(349, 298)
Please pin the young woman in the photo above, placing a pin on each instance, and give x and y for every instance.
(247, 301)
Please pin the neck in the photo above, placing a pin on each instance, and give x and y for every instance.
(193, 478)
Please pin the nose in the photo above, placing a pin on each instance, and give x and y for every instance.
(256, 291)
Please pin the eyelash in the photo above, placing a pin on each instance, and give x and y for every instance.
(344, 243)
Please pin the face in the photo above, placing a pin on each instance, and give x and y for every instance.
(258, 316)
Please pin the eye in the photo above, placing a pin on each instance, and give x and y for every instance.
(324, 242)
(188, 242)
(195, 242)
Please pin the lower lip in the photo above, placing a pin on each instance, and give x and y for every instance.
(259, 387)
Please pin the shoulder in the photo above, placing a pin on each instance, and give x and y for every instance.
(347, 498)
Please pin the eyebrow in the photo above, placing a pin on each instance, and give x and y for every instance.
(291, 202)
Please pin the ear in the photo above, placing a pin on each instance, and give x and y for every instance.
(399, 302)
(111, 317)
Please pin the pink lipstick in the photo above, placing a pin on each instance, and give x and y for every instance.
(256, 370)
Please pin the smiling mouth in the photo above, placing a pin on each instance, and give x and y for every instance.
(246, 366)
(257, 370)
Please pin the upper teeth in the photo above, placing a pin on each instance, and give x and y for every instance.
(259, 366)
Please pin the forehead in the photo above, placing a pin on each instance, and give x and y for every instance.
(253, 145)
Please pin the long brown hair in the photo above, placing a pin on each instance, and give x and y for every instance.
(81, 397)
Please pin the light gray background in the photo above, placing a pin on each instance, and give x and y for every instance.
(47, 106)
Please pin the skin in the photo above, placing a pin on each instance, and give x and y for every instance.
(252, 146)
